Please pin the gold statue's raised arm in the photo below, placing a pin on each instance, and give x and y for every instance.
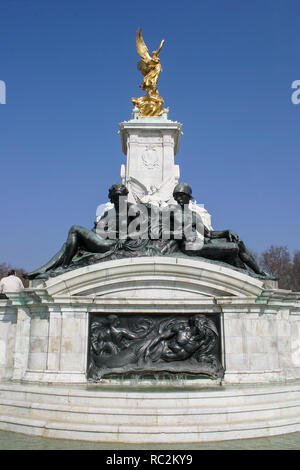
(150, 104)
(160, 46)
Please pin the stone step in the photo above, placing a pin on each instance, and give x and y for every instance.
(149, 433)
(220, 399)
(151, 416)
(95, 414)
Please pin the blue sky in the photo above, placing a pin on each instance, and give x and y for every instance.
(70, 72)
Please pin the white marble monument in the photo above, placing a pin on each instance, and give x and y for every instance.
(45, 338)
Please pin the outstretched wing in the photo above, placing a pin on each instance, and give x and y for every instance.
(102, 208)
(165, 192)
(137, 188)
(141, 47)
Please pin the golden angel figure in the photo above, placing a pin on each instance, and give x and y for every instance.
(150, 104)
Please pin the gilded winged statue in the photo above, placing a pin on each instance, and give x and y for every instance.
(150, 104)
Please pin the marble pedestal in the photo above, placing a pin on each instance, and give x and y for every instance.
(44, 330)
(44, 345)
(150, 144)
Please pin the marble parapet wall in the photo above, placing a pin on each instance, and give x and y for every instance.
(44, 329)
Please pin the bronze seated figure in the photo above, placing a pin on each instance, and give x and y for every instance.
(113, 237)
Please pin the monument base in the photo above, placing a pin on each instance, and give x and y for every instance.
(136, 415)
(45, 339)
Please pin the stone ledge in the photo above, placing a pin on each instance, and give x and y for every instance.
(189, 277)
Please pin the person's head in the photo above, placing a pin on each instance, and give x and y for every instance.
(182, 193)
(116, 191)
(12, 272)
